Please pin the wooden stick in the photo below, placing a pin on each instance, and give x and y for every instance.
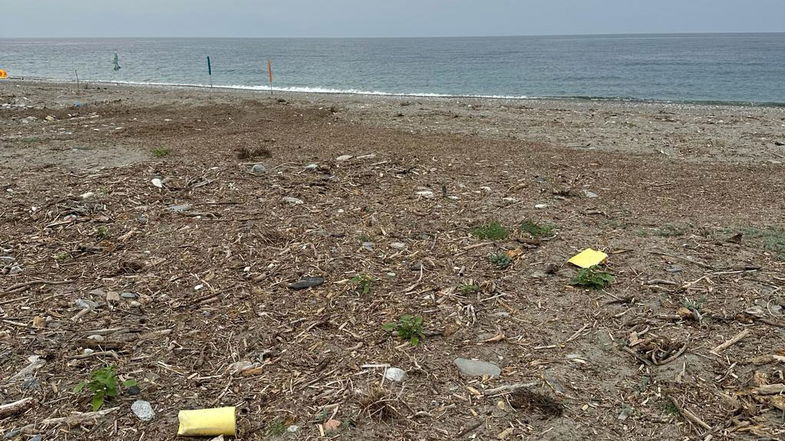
(731, 342)
(510, 388)
(15, 407)
(691, 417)
(19, 286)
(76, 419)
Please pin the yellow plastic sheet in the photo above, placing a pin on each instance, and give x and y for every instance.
(207, 422)
(588, 258)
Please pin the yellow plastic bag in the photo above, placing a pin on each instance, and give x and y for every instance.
(588, 258)
(207, 422)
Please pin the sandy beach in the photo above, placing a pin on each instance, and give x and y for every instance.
(160, 230)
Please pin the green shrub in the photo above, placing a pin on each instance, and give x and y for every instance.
(593, 278)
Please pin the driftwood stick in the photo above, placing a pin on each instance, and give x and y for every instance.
(731, 342)
(691, 417)
(24, 285)
(76, 419)
(510, 388)
(15, 407)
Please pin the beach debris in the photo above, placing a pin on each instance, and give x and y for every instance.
(312, 167)
(368, 156)
(36, 362)
(258, 169)
(293, 201)
(735, 339)
(182, 208)
(589, 194)
(157, 182)
(306, 282)
(343, 158)
(246, 368)
(50, 118)
(332, 425)
(541, 206)
(293, 428)
(428, 194)
(207, 422)
(398, 245)
(143, 410)
(15, 407)
(75, 419)
(477, 368)
(394, 374)
(588, 258)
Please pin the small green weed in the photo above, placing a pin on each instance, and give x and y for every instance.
(62, 256)
(670, 408)
(102, 232)
(363, 283)
(408, 327)
(693, 305)
(276, 428)
(161, 152)
(364, 238)
(773, 239)
(593, 278)
(536, 229)
(490, 231)
(500, 260)
(103, 385)
(669, 230)
(468, 288)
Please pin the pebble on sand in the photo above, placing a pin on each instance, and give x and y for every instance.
(143, 410)
(477, 368)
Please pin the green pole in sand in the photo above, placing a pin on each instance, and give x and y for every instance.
(210, 71)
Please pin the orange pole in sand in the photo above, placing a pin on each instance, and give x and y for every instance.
(270, 74)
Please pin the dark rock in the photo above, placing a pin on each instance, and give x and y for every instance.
(306, 282)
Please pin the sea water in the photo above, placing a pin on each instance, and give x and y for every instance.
(748, 68)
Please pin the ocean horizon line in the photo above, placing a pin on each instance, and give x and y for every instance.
(393, 37)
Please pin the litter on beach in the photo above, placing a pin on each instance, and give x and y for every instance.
(588, 258)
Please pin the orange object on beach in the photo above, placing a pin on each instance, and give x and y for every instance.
(3, 74)
(270, 70)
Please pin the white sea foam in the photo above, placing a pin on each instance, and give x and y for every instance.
(325, 90)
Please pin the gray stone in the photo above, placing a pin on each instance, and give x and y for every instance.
(428, 194)
(180, 208)
(11, 434)
(293, 201)
(85, 304)
(398, 245)
(590, 195)
(306, 282)
(36, 438)
(258, 169)
(368, 245)
(477, 368)
(143, 410)
(395, 374)
(129, 295)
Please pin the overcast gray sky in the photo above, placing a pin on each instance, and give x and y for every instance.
(377, 18)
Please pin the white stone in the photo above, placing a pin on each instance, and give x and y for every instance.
(395, 374)
(293, 201)
(344, 158)
(143, 410)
